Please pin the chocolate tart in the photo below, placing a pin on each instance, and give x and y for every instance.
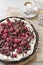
(32, 55)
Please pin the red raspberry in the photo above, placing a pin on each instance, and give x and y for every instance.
(7, 54)
(6, 30)
(23, 43)
(28, 33)
(9, 23)
(15, 33)
(1, 52)
(16, 40)
(0, 33)
(32, 36)
(3, 47)
(7, 19)
(14, 28)
(18, 25)
(11, 36)
(25, 51)
(25, 28)
(25, 38)
(19, 37)
(28, 46)
(7, 48)
(14, 55)
(23, 34)
(6, 44)
(4, 35)
(22, 23)
(8, 39)
(20, 34)
(3, 27)
(1, 30)
(3, 43)
(2, 24)
(15, 45)
(11, 29)
(11, 48)
(19, 50)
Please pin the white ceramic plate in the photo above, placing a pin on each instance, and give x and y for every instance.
(23, 10)
(28, 16)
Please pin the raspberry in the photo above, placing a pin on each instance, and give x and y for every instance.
(20, 34)
(4, 35)
(7, 19)
(8, 39)
(32, 36)
(25, 51)
(9, 23)
(6, 44)
(16, 40)
(6, 30)
(25, 28)
(23, 34)
(28, 46)
(15, 45)
(19, 37)
(25, 38)
(19, 50)
(2, 24)
(3, 47)
(7, 48)
(11, 48)
(1, 52)
(23, 43)
(11, 29)
(18, 24)
(7, 54)
(27, 33)
(15, 33)
(14, 55)
(1, 30)
(3, 27)
(22, 23)
(0, 33)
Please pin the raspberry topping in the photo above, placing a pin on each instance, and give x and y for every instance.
(14, 35)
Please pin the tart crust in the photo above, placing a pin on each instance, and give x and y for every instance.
(31, 57)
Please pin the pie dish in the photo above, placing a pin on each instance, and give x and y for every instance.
(18, 40)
